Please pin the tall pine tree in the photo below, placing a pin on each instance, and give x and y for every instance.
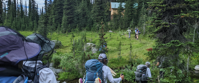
(68, 15)
(130, 12)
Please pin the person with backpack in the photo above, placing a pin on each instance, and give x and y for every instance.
(137, 33)
(97, 71)
(103, 49)
(143, 73)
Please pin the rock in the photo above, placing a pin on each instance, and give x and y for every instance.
(110, 31)
(196, 72)
(92, 46)
(57, 43)
(196, 67)
(64, 82)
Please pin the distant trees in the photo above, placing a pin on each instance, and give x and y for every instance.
(130, 13)
(60, 14)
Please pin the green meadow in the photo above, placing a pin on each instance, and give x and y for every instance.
(138, 46)
(119, 65)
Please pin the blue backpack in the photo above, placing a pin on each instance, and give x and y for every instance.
(93, 71)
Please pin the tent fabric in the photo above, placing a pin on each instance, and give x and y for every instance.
(46, 44)
(14, 49)
(7, 79)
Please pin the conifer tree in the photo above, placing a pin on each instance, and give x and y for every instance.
(120, 16)
(9, 4)
(102, 39)
(172, 19)
(26, 11)
(1, 12)
(138, 14)
(129, 12)
(14, 8)
(58, 10)
(30, 9)
(119, 50)
(68, 15)
(22, 11)
(107, 12)
(97, 11)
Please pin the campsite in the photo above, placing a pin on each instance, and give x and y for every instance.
(54, 42)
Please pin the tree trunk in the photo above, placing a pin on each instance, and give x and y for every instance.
(188, 64)
(195, 27)
(144, 28)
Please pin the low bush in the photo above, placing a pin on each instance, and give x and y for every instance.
(68, 75)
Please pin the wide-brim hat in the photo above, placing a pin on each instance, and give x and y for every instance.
(14, 49)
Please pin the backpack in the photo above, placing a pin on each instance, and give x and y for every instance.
(7, 79)
(33, 72)
(137, 32)
(93, 71)
(46, 46)
(140, 73)
(7, 69)
(102, 49)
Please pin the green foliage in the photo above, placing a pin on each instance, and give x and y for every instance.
(68, 75)
(117, 63)
(69, 63)
(102, 38)
(56, 59)
(137, 47)
(174, 74)
(119, 50)
(129, 73)
(168, 45)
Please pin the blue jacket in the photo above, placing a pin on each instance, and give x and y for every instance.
(100, 49)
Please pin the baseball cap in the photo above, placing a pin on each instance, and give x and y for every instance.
(102, 56)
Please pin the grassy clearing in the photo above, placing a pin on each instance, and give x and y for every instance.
(138, 46)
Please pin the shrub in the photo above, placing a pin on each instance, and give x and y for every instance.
(129, 73)
(117, 62)
(68, 75)
(56, 60)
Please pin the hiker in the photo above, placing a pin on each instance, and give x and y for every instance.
(129, 31)
(100, 74)
(143, 73)
(103, 49)
(137, 33)
(148, 72)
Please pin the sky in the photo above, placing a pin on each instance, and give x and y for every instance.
(39, 2)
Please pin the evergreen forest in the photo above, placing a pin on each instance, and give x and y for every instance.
(168, 28)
